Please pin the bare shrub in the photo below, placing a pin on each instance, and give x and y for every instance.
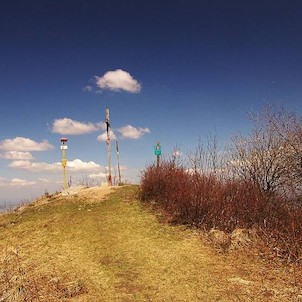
(207, 158)
(258, 187)
(206, 201)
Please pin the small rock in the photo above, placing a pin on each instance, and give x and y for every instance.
(240, 238)
(219, 238)
(240, 281)
(54, 280)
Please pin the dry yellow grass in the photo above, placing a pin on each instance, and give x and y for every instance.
(97, 247)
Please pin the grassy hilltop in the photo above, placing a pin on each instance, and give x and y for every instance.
(106, 246)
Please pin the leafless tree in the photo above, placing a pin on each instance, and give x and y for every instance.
(258, 158)
(288, 126)
(271, 155)
(207, 158)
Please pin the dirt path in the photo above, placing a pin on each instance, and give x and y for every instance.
(89, 247)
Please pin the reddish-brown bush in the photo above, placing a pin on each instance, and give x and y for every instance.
(209, 202)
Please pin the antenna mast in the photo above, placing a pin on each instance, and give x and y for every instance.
(118, 164)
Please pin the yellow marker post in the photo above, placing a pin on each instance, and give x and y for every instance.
(64, 160)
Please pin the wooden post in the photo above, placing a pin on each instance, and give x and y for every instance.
(108, 147)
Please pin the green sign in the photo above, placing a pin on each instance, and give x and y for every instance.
(157, 149)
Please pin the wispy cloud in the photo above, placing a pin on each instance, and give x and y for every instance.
(34, 166)
(15, 182)
(87, 88)
(16, 155)
(44, 180)
(24, 144)
(118, 80)
(103, 125)
(67, 126)
(76, 165)
(132, 132)
(103, 137)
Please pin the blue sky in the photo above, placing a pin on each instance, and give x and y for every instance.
(170, 71)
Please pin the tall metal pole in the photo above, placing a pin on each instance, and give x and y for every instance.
(118, 164)
(108, 147)
(64, 160)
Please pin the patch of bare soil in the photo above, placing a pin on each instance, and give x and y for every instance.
(90, 194)
(95, 194)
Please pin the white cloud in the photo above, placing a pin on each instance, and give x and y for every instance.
(103, 137)
(44, 180)
(118, 80)
(100, 175)
(67, 126)
(76, 165)
(34, 166)
(24, 144)
(16, 155)
(122, 168)
(132, 132)
(21, 182)
(103, 125)
(15, 182)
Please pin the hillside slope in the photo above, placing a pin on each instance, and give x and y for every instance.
(96, 247)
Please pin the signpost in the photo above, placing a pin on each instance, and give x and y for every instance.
(157, 152)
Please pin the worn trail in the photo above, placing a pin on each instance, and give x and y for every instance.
(92, 247)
